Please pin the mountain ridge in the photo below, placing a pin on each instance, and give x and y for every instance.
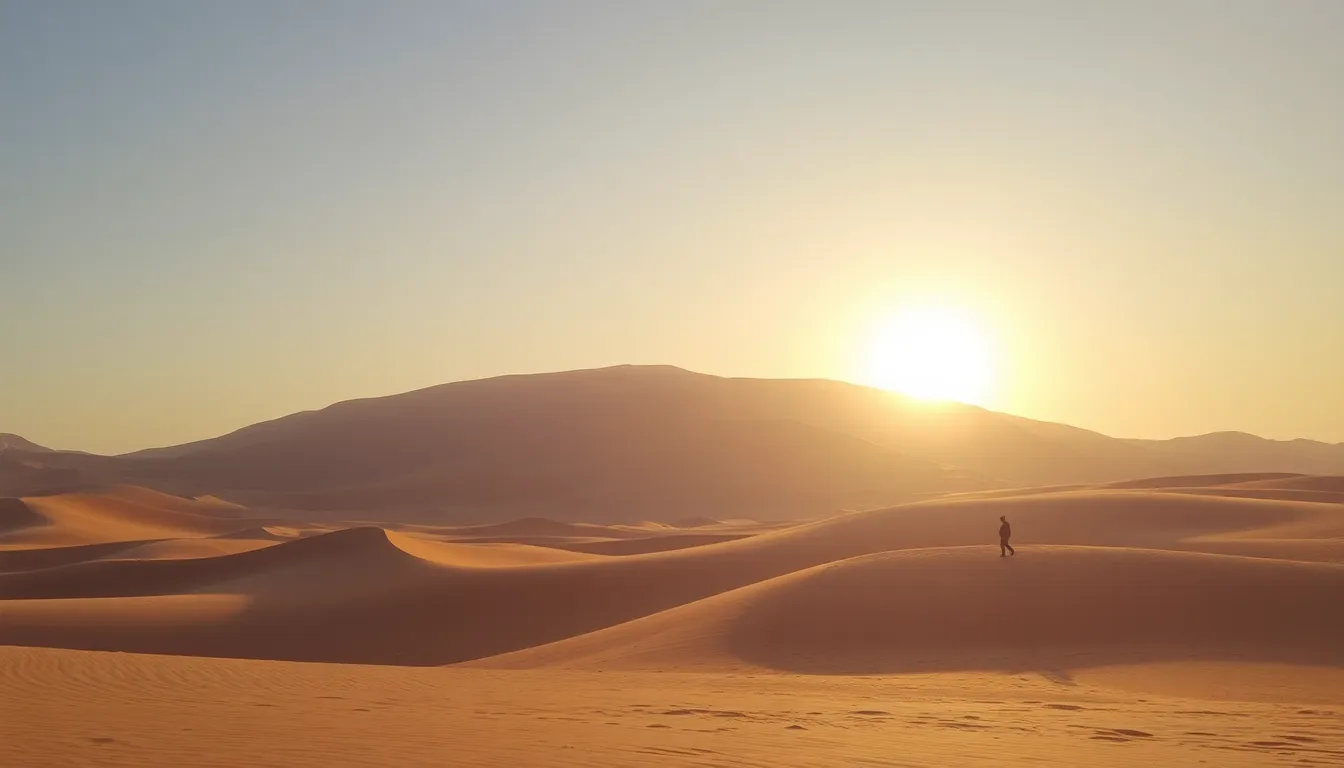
(645, 442)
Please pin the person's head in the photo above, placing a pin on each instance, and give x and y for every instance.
(1004, 518)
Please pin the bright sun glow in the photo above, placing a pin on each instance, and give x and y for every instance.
(933, 353)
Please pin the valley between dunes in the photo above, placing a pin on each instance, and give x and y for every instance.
(1180, 621)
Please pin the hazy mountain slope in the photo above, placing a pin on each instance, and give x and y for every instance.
(1228, 452)
(14, 442)
(25, 473)
(653, 468)
(647, 442)
(1009, 449)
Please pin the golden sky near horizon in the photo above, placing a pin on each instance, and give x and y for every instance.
(1122, 216)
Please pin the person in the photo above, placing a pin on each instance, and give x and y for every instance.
(1005, 533)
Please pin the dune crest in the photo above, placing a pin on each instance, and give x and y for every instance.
(1132, 589)
(953, 608)
(367, 595)
(117, 513)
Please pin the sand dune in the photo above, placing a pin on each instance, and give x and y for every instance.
(1199, 481)
(539, 527)
(266, 533)
(649, 544)
(649, 641)
(191, 549)
(15, 515)
(953, 608)
(120, 513)
(697, 521)
(1272, 486)
(611, 540)
(366, 595)
(1322, 483)
(26, 559)
(88, 708)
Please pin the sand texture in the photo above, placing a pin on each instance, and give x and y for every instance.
(1177, 621)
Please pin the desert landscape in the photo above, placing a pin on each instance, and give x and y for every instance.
(1181, 619)
(615, 383)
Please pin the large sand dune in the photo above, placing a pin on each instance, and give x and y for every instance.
(92, 709)
(367, 595)
(121, 513)
(953, 608)
(1171, 587)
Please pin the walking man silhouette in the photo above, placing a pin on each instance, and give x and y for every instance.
(1005, 533)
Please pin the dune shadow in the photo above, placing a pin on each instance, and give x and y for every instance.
(354, 596)
(811, 599)
(1060, 610)
(17, 560)
(15, 515)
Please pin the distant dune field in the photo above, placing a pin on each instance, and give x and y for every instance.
(1177, 619)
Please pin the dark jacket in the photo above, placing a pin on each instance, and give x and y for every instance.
(1005, 530)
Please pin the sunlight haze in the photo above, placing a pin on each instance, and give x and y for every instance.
(933, 352)
(213, 214)
(627, 383)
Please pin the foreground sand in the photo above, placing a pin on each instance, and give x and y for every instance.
(73, 708)
(1177, 622)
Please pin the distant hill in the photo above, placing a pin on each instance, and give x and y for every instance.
(647, 400)
(16, 443)
(1231, 452)
(618, 444)
(656, 442)
(25, 469)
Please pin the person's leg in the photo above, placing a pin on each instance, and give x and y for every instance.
(1003, 543)
(1011, 551)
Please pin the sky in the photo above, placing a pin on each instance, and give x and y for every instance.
(213, 214)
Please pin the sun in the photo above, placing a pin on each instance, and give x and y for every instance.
(933, 352)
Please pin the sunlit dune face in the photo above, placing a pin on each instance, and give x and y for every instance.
(933, 353)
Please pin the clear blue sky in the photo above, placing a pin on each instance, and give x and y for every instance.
(217, 213)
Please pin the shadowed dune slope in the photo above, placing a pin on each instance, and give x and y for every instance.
(263, 533)
(118, 513)
(953, 608)
(534, 527)
(190, 549)
(1199, 481)
(1265, 485)
(15, 515)
(364, 595)
(363, 549)
(36, 558)
(650, 544)
(1320, 483)
(695, 521)
(1273, 494)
